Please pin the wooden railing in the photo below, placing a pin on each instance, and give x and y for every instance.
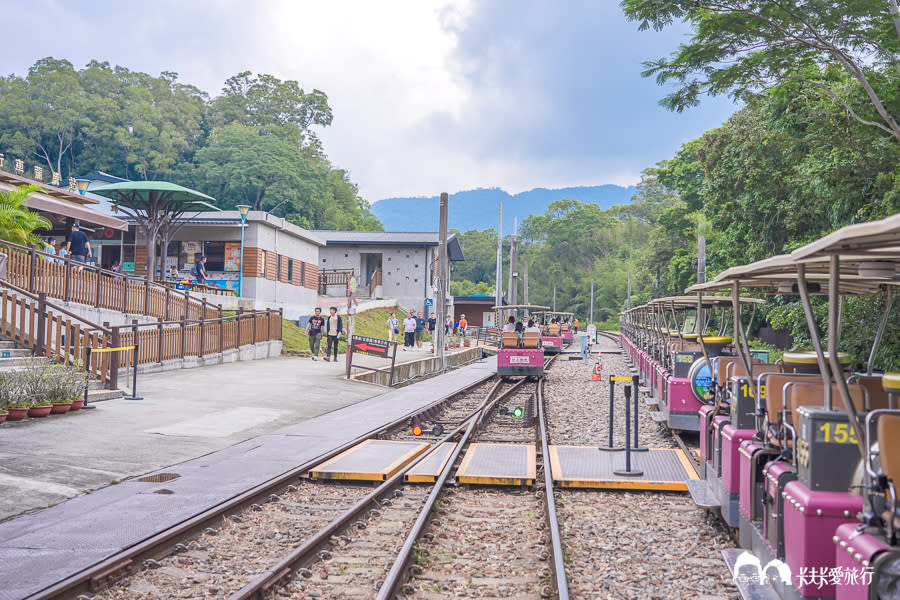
(63, 279)
(52, 331)
(56, 333)
(333, 277)
(169, 340)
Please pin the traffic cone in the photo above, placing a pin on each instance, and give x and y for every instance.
(596, 374)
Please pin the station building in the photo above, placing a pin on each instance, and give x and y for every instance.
(284, 265)
(388, 264)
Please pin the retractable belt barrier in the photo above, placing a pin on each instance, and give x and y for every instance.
(134, 366)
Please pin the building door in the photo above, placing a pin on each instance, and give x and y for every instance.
(369, 273)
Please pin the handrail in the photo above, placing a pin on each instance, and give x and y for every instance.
(222, 319)
(54, 307)
(73, 278)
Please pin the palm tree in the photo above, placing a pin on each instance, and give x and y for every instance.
(17, 223)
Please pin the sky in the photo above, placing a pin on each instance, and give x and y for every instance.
(428, 95)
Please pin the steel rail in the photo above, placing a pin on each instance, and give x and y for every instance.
(163, 543)
(304, 553)
(559, 565)
(395, 575)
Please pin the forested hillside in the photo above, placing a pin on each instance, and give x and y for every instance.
(816, 146)
(254, 143)
(473, 209)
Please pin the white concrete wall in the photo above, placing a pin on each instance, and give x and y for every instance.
(404, 269)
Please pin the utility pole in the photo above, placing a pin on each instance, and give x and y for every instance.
(525, 285)
(628, 301)
(443, 272)
(499, 292)
(701, 277)
(513, 294)
(592, 301)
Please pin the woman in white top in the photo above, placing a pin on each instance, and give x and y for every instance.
(510, 325)
(393, 328)
(532, 327)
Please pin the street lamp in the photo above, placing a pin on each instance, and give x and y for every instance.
(82, 185)
(243, 209)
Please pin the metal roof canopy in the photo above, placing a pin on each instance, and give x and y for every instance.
(520, 307)
(774, 275)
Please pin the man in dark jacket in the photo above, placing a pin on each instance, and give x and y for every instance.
(314, 331)
(334, 327)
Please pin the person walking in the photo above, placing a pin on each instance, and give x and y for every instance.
(78, 244)
(432, 326)
(420, 330)
(409, 330)
(199, 270)
(334, 327)
(393, 324)
(314, 331)
(461, 328)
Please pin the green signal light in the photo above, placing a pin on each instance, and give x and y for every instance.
(518, 412)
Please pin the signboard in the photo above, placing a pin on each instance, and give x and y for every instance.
(429, 301)
(620, 378)
(370, 345)
(191, 247)
(232, 256)
(128, 266)
(518, 360)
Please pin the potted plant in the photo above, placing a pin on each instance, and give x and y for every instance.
(12, 397)
(40, 408)
(59, 381)
(36, 380)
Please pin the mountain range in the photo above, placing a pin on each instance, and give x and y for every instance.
(477, 209)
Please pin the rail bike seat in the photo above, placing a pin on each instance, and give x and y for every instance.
(509, 339)
(531, 339)
(879, 397)
(891, 382)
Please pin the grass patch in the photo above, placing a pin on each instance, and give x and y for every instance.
(370, 323)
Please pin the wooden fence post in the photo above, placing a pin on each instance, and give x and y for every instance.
(114, 359)
(159, 329)
(221, 331)
(68, 291)
(125, 294)
(97, 274)
(253, 315)
(41, 334)
(183, 334)
(32, 275)
(168, 294)
(146, 296)
(201, 337)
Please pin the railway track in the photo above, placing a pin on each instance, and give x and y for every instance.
(195, 536)
(332, 540)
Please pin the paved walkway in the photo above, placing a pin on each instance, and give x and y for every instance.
(90, 528)
(184, 414)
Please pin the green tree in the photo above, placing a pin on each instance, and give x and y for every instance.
(17, 223)
(745, 46)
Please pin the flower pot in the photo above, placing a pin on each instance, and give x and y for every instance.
(77, 403)
(40, 411)
(2, 416)
(60, 407)
(16, 414)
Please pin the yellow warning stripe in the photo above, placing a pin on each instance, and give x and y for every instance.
(95, 350)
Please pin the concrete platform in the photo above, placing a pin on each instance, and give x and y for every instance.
(87, 529)
(371, 460)
(588, 467)
(498, 464)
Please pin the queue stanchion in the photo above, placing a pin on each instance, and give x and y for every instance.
(134, 366)
(87, 379)
(628, 471)
(612, 405)
(636, 447)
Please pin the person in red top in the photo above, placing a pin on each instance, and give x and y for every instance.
(461, 328)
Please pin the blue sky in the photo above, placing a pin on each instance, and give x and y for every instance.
(428, 95)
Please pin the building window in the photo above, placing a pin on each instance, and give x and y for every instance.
(215, 256)
(290, 270)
